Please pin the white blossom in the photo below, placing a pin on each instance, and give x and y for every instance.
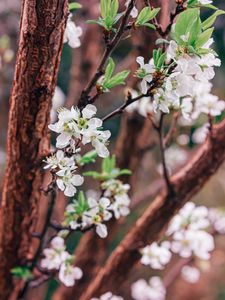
(217, 219)
(98, 213)
(156, 256)
(72, 33)
(81, 125)
(200, 134)
(67, 182)
(118, 192)
(134, 11)
(61, 161)
(108, 296)
(190, 274)
(55, 255)
(68, 274)
(204, 2)
(192, 242)
(175, 157)
(152, 290)
(191, 217)
(58, 101)
(145, 72)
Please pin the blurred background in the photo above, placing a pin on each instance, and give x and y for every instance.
(76, 68)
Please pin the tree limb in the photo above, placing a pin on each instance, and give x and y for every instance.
(150, 226)
(41, 37)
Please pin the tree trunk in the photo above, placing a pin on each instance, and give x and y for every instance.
(40, 45)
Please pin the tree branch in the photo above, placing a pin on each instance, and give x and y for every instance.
(84, 99)
(149, 227)
(41, 38)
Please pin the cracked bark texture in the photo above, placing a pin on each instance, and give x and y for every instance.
(40, 44)
(150, 226)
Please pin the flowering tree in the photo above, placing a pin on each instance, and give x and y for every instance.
(166, 88)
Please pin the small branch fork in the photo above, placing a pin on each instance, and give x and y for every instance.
(85, 98)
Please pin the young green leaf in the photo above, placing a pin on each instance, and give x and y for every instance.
(22, 273)
(188, 27)
(203, 38)
(109, 81)
(146, 15)
(211, 20)
(109, 69)
(118, 79)
(87, 158)
(74, 5)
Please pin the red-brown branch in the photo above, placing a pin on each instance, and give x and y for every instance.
(41, 37)
(149, 227)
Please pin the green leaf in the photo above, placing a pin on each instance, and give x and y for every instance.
(210, 6)
(188, 25)
(210, 21)
(88, 158)
(109, 69)
(203, 38)
(74, 5)
(99, 22)
(103, 6)
(118, 79)
(125, 172)
(150, 26)
(145, 15)
(22, 273)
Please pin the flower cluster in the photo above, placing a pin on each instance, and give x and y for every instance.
(108, 296)
(152, 290)
(189, 232)
(65, 168)
(183, 71)
(90, 213)
(75, 126)
(57, 258)
(72, 33)
(156, 256)
(117, 192)
(86, 213)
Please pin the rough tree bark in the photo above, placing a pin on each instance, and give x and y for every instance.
(151, 225)
(41, 36)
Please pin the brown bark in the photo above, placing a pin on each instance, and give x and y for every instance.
(41, 36)
(150, 226)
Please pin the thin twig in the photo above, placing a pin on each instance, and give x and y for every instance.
(162, 151)
(172, 130)
(84, 99)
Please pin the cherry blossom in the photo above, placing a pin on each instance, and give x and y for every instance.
(81, 126)
(67, 182)
(156, 256)
(117, 191)
(190, 274)
(145, 72)
(190, 242)
(108, 296)
(134, 12)
(152, 290)
(68, 274)
(72, 33)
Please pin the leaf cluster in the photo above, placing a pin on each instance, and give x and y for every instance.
(108, 170)
(109, 80)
